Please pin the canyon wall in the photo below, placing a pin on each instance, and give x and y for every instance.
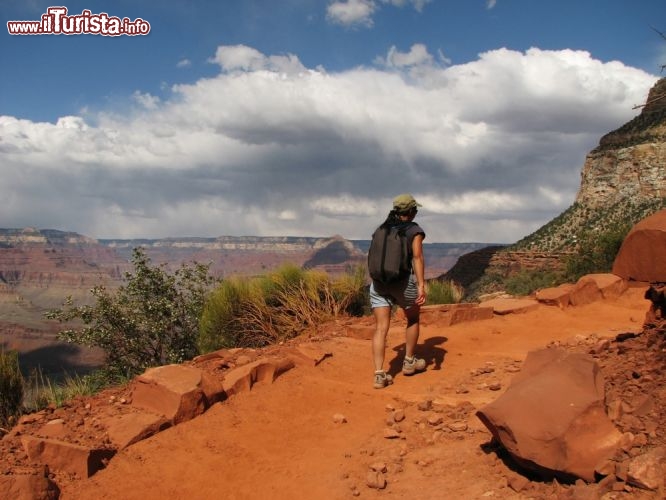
(623, 180)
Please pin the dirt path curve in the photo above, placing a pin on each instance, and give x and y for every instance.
(280, 441)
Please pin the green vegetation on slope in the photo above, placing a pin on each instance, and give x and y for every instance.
(588, 241)
(579, 223)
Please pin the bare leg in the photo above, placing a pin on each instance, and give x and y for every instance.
(382, 322)
(412, 333)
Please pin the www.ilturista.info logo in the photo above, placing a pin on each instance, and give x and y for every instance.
(56, 22)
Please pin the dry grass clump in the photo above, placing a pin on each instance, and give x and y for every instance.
(252, 312)
(11, 387)
(444, 292)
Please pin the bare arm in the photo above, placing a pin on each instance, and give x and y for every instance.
(418, 264)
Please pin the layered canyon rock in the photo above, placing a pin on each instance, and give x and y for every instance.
(43, 258)
(623, 180)
(630, 162)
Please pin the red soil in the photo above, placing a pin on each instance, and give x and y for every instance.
(282, 441)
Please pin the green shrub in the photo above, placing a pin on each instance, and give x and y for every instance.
(488, 283)
(151, 320)
(525, 282)
(223, 318)
(444, 292)
(11, 388)
(596, 252)
(253, 312)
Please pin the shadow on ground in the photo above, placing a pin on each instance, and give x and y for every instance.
(428, 349)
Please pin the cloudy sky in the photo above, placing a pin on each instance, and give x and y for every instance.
(306, 117)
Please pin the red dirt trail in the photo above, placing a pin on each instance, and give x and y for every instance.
(281, 441)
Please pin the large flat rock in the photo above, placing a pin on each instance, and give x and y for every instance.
(66, 457)
(176, 391)
(552, 418)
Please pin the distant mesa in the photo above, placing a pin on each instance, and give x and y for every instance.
(31, 235)
(335, 251)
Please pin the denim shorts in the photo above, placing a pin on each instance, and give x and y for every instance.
(402, 293)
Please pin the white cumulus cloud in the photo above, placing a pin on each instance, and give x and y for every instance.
(492, 148)
(418, 54)
(242, 57)
(146, 100)
(354, 13)
(351, 12)
(417, 4)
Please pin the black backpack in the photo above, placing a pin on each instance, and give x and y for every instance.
(389, 257)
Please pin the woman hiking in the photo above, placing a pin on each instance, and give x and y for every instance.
(407, 292)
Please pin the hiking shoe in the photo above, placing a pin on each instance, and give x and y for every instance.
(412, 365)
(382, 379)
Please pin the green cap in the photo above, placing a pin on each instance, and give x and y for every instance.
(404, 202)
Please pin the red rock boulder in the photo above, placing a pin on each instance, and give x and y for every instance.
(178, 392)
(66, 457)
(641, 256)
(552, 418)
(559, 296)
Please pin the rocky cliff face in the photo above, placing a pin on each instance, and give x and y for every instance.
(43, 258)
(623, 180)
(630, 162)
(240, 243)
(52, 237)
(242, 255)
